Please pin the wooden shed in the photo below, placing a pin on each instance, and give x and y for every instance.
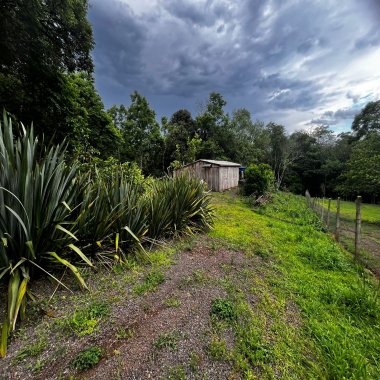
(219, 175)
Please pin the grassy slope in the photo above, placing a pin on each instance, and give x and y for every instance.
(339, 332)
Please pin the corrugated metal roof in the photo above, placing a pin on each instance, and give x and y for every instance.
(220, 163)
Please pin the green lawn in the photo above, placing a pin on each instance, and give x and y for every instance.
(370, 213)
(338, 334)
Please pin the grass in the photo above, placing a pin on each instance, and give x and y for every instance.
(223, 309)
(33, 349)
(338, 330)
(370, 212)
(172, 302)
(150, 282)
(167, 340)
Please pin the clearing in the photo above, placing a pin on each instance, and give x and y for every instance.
(266, 294)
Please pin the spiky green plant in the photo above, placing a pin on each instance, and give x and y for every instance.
(112, 208)
(178, 205)
(37, 193)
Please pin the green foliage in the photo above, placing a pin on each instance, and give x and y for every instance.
(89, 128)
(150, 282)
(30, 350)
(368, 120)
(259, 179)
(218, 349)
(178, 205)
(84, 322)
(172, 302)
(167, 340)
(223, 310)
(37, 194)
(42, 40)
(362, 175)
(87, 359)
(142, 141)
(113, 205)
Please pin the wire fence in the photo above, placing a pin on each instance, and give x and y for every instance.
(354, 224)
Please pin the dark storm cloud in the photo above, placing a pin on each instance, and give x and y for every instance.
(275, 57)
(119, 38)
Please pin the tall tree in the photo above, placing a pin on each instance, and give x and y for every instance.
(362, 175)
(367, 120)
(213, 127)
(142, 138)
(40, 42)
(251, 138)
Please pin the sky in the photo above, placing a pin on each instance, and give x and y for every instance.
(299, 63)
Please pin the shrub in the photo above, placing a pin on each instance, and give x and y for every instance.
(37, 195)
(258, 179)
(180, 205)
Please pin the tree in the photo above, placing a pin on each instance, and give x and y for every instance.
(362, 175)
(143, 142)
(41, 41)
(251, 138)
(213, 127)
(180, 130)
(367, 120)
(90, 129)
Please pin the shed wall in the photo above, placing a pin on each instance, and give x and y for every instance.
(228, 177)
(218, 178)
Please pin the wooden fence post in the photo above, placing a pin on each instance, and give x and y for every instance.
(358, 222)
(337, 224)
(323, 209)
(328, 213)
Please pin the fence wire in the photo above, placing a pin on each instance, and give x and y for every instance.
(344, 229)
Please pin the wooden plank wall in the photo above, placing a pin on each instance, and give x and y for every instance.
(217, 178)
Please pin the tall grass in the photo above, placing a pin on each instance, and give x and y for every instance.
(50, 214)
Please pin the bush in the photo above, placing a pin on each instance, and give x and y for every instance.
(37, 195)
(178, 205)
(259, 179)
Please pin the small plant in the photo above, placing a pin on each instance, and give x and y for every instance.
(87, 359)
(258, 179)
(31, 350)
(177, 373)
(150, 282)
(195, 361)
(223, 310)
(172, 302)
(123, 333)
(218, 349)
(167, 340)
(197, 278)
(84, 322)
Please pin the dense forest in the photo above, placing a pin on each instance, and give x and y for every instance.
(46, 77)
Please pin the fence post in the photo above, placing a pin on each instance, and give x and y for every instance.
(337, 224)
(358, 222)
(328, 213)
(323, 209)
